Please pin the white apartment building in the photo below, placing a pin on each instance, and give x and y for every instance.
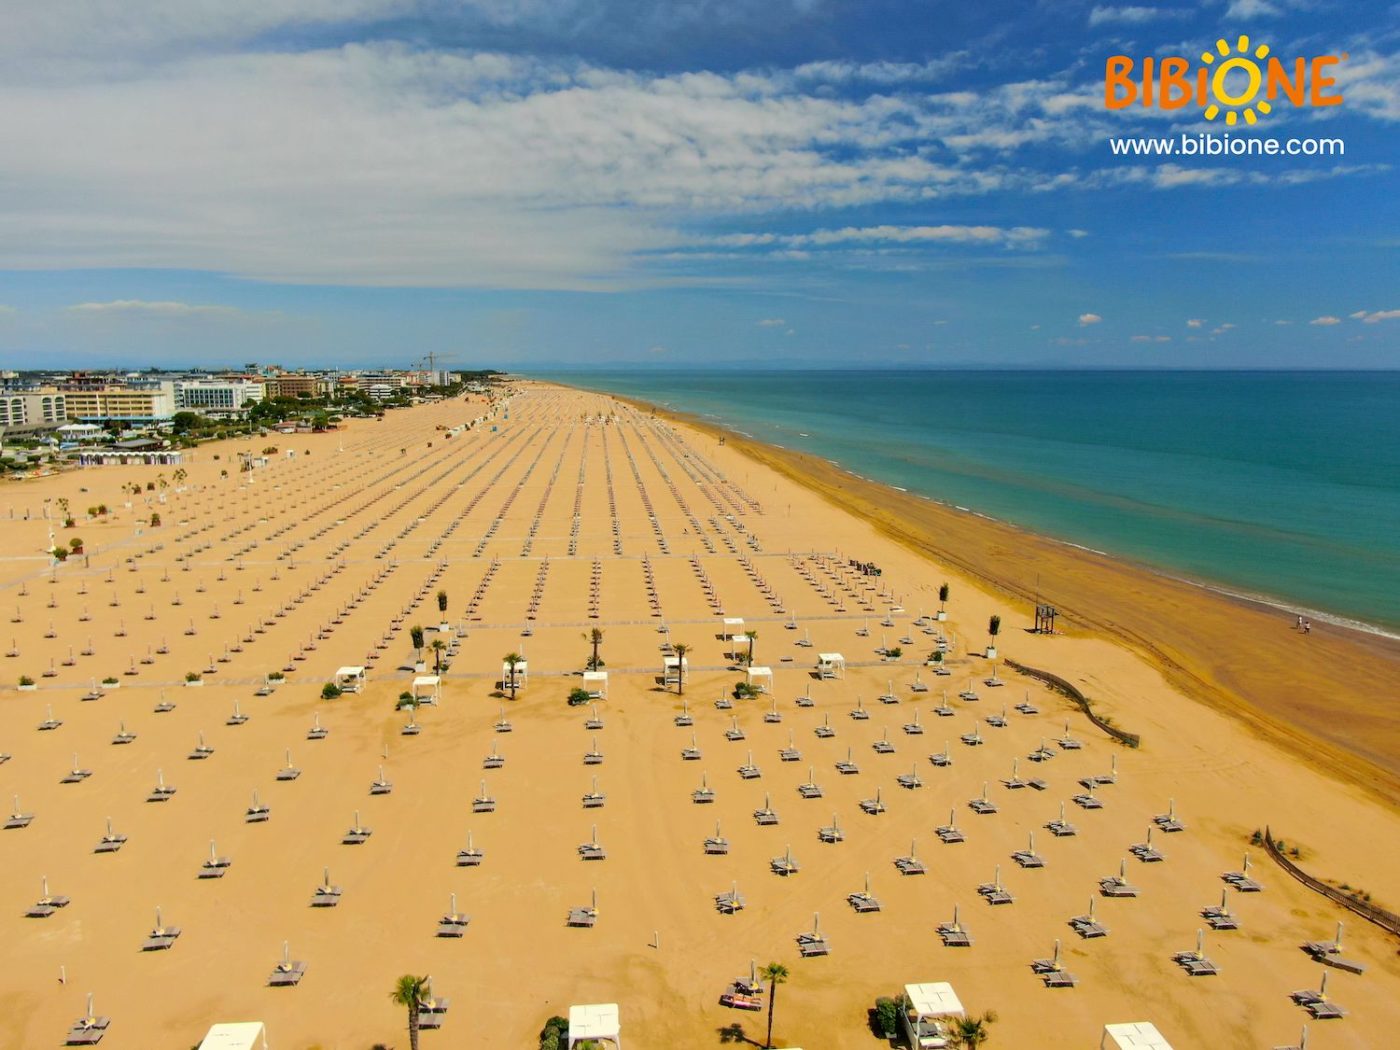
(32, 408)
(216, 396)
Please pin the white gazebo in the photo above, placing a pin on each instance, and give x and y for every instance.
(761, 678)
(427, 689)
(672, 667)
(597, 1022)
(928, 1005)
(831, 665)
(350, 679)
(734, 634)
(595, 683)
(522, 673)
(240, 1035)
(1134, 1035)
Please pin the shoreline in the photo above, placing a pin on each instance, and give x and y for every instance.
(1166, 618)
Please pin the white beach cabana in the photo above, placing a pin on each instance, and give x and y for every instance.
(734, 635)
(928, 1005)
(595, 683)
(672, 667)
(831, 665)
(598, 1022)
(1133, 1035)
(350, 679)
(240, 1035)
(522, 673)
(761, 678)
(427, 689)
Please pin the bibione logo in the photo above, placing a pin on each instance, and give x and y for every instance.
(1236, 82)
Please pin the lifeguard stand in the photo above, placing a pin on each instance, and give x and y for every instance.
(1045, 619)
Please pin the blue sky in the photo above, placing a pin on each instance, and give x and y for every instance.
(575, 183)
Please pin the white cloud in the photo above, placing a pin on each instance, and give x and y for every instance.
(1377, 316)
(997, 236)
(1088, 319)
(142, 307)
(771, 322)
(1194, 322)
(1151, 339)
(6, 311)
(1129, 15)
(1077, 234)
(1325, 320)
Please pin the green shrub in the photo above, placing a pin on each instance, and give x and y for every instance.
(578, 696)
(887, 1016)
(330, 691)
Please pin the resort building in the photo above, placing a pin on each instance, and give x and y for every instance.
(217, 396)
(135, 402)
(32, 409)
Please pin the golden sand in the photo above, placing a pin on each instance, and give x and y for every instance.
(351, 509)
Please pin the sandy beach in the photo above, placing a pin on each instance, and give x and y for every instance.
(561, 511)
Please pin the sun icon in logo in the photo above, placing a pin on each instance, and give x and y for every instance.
(1236, 103)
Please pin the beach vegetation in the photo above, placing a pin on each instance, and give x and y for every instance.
(60, 553)
(774, 973)
(76, 544)
(439, 647)
(408, 992)
(330, 691)
(111, 679)
(994, 626)
(442, 601)
(415, 634)
(275, 676)
(745, 691)
(193, 676)
(405, 700)
(579, 696)
(752, 636)
(942, 595)
(969, 1033)
(595, 639)
(155, 521)
(24, 679)
(555, 1034)
(511, 660)
(895, 653)
(885, 1016)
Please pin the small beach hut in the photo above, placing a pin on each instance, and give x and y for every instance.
(929, 1004)
(831, 665)
(672, 667)
(1134, 1035)
(595, 683)
(427, 689)
(350, 679)
(598, 1022)
(239, 1035)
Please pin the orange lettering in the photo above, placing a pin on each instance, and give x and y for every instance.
(1147, 83)
(1118, 88)
(1176, 89)
(1276, 79)
(1319, 82)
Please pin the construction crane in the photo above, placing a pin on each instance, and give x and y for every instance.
(430, 360)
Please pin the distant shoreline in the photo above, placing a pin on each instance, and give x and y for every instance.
(1234, 651)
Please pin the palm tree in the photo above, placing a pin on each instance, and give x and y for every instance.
(775, 974)
(438, 647)
(595, 638)
(415, 633)
(408, 991)
(511, 659)
(994, 627)
(680, 649)
(442, 601)
(969, 1033)
(942, 596)
(751, 635)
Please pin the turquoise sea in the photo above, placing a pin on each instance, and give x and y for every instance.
(1280, 485)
